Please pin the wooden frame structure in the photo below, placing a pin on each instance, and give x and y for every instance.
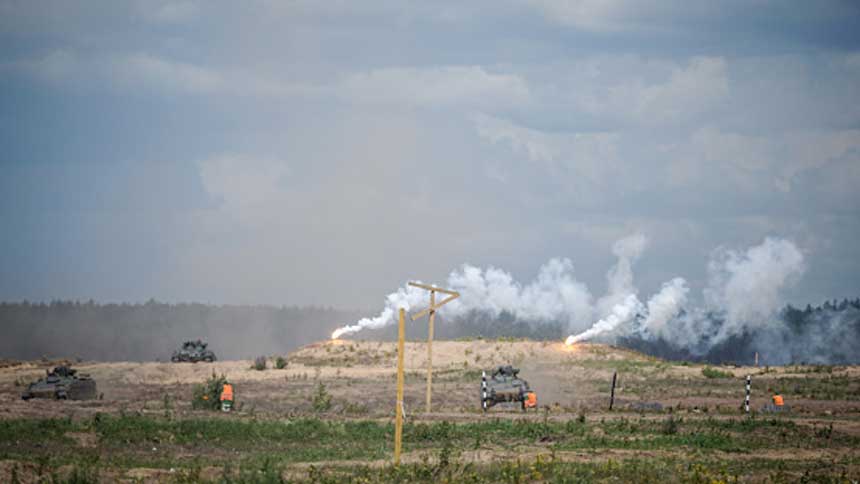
(432, 312)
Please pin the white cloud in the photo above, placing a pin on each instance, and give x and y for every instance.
(590, 15)
(170, 12)
(689, 91)
(160, 72)
(242, 181)
(536, 145)
(461, 87)
(580, 149)
(583, 163)
(615, 16)
(57, 66)
(755, 163)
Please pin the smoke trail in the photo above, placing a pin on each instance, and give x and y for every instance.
(554, 295)
(743, 297)
(621, 313)
(405, 297)
(620, 276)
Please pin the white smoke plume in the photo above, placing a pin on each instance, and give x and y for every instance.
(621, 313)
(405, 297)
(664, 306)
(554, 295)
(620, 277)
(747, 286)
(743, 292)
(743, 296)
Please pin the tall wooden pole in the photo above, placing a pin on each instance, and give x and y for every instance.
(398, 410)
(430, 351)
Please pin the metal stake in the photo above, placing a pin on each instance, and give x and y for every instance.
(612, 393)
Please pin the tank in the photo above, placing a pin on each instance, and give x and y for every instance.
(504, 385)
(193, 351)
(62, 383)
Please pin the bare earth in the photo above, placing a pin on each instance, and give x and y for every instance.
(360, 376)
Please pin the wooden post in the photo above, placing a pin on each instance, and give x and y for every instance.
(398, 410)
(612, 392)
(430, 351)
(432, 312)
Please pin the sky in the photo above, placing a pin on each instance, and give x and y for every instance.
(323, 153)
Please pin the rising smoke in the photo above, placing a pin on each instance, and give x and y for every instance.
(554, 295)
(741, 303)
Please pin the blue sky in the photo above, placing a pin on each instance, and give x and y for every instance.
(324, 152)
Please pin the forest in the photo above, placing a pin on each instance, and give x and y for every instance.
(152, 330)
(825, 334)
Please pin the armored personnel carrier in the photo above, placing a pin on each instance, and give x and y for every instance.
(504, 385)
(193, 351)
(62, 383)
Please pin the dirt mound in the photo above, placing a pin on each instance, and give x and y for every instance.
(5, 363)
(459, 354)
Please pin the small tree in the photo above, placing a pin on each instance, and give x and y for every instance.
(260, 363)
(322, 399)
(207, 396)
(670, 426)
(280, 363)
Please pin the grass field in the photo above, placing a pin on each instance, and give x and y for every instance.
(146, 430)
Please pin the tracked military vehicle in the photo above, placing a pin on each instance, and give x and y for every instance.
(504, 385)
(62, 383)
(193, 351)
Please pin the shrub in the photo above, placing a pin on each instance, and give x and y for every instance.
(322, 399)
(280, 363)
(259, 363)
(207, 396)
(709, 372)
(670, 426)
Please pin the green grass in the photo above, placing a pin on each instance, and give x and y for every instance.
(709, 372)
(543, 468)
(343, 435)
(142, 441)
(831, 387)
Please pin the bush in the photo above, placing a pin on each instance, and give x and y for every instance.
(322, 399)
(709, 372)
(259, 363)
(280, 363)
(208, 395)
(670, 426)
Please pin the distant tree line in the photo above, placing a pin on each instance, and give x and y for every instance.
(800, 318)
(152, 330)
(825, 334)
